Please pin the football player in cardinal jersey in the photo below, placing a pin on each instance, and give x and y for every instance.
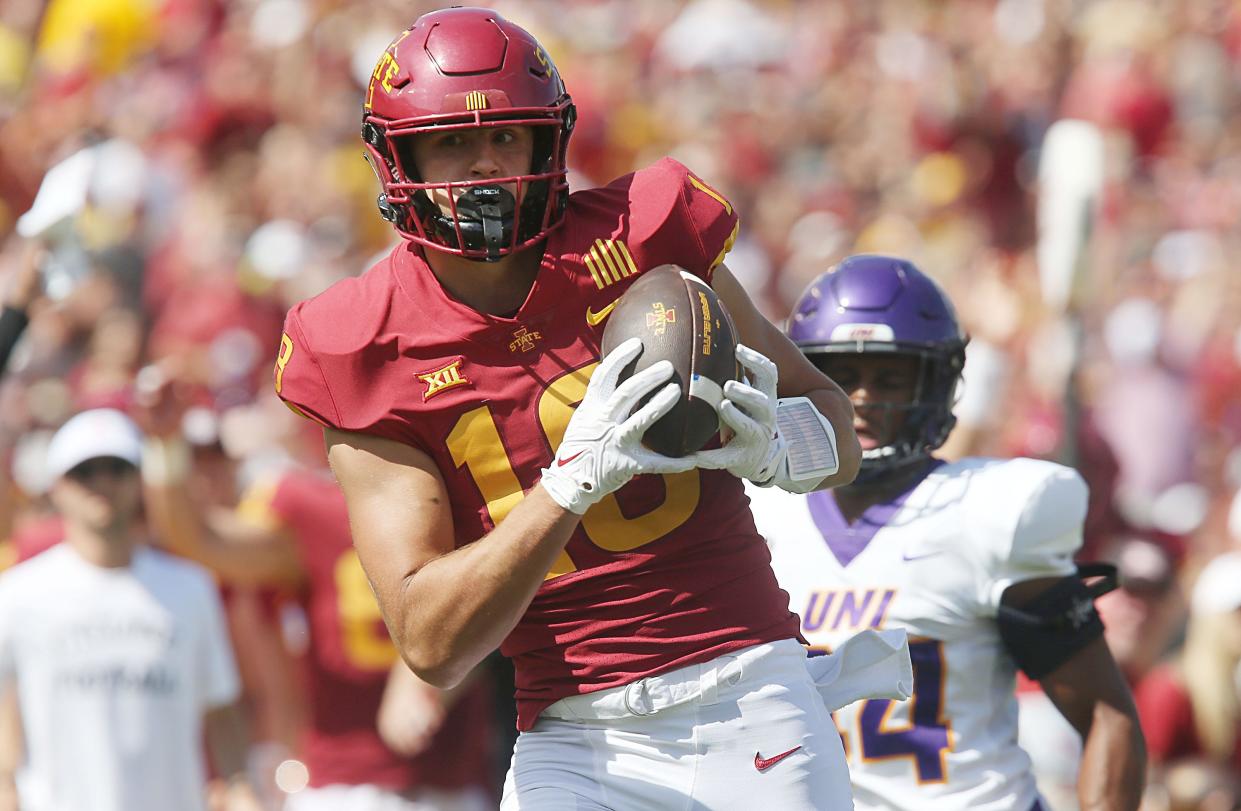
(497, 487)
(973, 558)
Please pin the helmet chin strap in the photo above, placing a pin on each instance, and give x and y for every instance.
(881, 464)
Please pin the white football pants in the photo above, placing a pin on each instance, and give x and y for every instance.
(750, 730)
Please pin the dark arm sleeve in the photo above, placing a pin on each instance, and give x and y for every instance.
(12, 324)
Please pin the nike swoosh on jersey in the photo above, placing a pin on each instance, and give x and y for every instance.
(763, 764)
(594, 319)
(908, 558)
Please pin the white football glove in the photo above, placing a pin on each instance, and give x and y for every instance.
(602, 447)
(756, 449)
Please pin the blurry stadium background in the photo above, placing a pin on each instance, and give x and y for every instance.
(217, 178)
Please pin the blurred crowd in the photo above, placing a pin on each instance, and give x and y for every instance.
(208, 174)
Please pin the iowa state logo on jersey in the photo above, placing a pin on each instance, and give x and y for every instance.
(524, 340)
(442, 379)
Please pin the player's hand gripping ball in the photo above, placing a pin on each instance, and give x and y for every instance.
(680, 320)
(602, 446)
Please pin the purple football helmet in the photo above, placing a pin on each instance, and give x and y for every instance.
(870, 303)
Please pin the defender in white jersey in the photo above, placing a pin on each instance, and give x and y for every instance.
(973, 558)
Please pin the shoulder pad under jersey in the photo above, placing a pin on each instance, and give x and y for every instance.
(664, 214)
(331, 349)
(1026, 517)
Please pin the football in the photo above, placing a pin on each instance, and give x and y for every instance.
(680, 319)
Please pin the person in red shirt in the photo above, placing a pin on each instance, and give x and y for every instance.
(498, 490)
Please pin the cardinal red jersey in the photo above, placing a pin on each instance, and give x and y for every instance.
(350, 655)
(666, 572)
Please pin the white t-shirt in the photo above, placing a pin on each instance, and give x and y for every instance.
(934, 562)
(114, 670)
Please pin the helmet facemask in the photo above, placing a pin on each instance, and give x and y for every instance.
(928, 417)
(483, 219)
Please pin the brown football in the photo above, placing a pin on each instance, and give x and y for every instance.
(680, 319)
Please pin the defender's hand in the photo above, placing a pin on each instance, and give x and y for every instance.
(756, 448)
(602, 447)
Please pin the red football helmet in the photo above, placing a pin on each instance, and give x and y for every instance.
(459, 69)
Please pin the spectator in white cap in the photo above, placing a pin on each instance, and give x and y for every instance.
(113, 656)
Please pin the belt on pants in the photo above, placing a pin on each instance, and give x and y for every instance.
(871, 664)
(647, 696)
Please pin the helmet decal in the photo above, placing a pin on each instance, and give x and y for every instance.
(385, 72)
(543, 60)
(862, 332)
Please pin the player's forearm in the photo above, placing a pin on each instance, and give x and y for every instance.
(181, 525)
(178, 526)
(835, 405)
(244, 557)
(459, 607)
(173, 514)
(1113, 768)
(175, 522)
